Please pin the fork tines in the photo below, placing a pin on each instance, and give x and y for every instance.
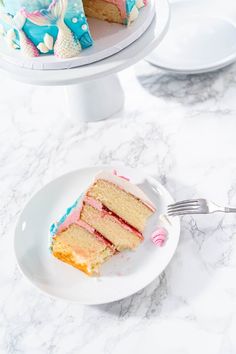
(184, 207)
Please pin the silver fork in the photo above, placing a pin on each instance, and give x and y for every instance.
(196, 206)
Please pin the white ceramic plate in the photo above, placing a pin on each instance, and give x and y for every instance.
(121, 276)
(201, 37)
(109, 39)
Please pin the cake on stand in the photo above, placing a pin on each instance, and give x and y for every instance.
(96, 82)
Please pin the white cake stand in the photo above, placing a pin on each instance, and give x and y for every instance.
(93, 92)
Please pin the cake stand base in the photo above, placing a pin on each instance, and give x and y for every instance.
(94, 100)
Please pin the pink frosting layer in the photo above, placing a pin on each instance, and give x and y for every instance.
(85, 226)
(93, 202)
(106, 212)
(71, 219)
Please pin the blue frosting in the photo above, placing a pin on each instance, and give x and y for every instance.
(13, 6)
(36, 33)
(129, 5)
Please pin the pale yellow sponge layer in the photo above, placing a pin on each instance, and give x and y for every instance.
(120, 236)
(124, 204)
(81, 249)
(102, 10)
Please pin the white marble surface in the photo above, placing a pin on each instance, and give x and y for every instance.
(179, 128)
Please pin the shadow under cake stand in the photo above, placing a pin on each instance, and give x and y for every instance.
(93, 91)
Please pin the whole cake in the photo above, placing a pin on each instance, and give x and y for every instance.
(59, 27)
(110, 217)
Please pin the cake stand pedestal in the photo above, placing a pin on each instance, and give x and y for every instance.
(93, 91)
(96, 99)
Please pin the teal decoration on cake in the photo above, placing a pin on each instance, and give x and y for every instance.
(46, 26)
(56, 27)
(129, 5)
(15, 25)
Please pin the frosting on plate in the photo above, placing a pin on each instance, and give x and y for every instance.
(159, 236)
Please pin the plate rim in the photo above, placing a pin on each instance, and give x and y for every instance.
(118, 298)
(198, 70)
(215, 65)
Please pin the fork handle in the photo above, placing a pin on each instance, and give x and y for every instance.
(230, 210)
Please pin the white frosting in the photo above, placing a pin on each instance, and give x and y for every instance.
(42, 47)
(133, 14)
(10, 37)
(126, 185)
(19, 20)
(139, 4)
(48, 40)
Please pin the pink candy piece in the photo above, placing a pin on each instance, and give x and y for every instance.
(159, 236)
(115, 173)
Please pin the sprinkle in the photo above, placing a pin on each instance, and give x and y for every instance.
(74, 20)
(84, 27)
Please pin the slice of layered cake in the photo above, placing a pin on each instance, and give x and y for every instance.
(110, 217)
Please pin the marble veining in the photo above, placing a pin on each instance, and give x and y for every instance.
(181, 129)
